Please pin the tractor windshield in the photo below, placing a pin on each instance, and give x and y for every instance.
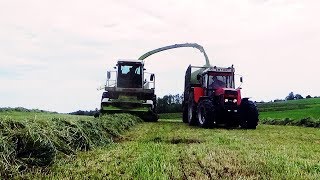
(130, 76)
(224, 80)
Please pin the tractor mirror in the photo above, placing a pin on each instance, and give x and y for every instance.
(241, 79)
(152, 77)
(198, 77)
(108, 75)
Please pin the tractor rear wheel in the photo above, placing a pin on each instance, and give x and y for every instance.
(249, 114)
(192, 112)
(206, 114)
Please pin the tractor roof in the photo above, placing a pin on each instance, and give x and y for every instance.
(219, 69)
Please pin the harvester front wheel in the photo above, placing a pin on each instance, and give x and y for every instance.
(206, 114)
(192, 113)
(150, 117)
(249, 114)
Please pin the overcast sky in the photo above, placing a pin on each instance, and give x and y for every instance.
(54, 54)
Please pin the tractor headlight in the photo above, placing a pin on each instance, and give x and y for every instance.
(235, 101)
(226, 100)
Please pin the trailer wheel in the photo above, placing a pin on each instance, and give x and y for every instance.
(249, 114)
(206, 114)
(192, 113)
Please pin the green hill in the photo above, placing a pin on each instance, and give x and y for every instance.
(294, 109)
(304, 112)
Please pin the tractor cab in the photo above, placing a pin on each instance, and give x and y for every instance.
(218, 82)
(215, 78)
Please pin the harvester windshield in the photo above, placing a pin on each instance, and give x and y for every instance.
(129, 75)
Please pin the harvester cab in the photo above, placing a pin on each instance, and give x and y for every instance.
(211, 99)
(130, 89)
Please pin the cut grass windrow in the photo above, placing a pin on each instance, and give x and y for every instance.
(36, 142)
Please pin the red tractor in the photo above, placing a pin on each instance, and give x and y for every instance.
(211, 99)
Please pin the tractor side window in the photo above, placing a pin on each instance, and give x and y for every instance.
(205, 81)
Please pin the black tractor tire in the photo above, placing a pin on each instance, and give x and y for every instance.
(206, 114)
(185, 114)
(192, 110)
(249, 114)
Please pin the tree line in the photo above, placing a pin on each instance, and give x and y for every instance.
(170, 103)
(173, 103)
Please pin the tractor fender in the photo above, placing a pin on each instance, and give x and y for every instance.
(245, 99)
(197, 93)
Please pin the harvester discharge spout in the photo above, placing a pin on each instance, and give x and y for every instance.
(193, 45)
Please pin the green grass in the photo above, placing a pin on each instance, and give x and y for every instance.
(30, 140)
(170, 116)
(304, 112)
(168, 149)
(172, 150)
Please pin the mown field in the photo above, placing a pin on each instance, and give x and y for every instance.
(169, 149)
(173, 150)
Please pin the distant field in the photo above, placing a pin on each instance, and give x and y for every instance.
(294, 109)
(31, 115)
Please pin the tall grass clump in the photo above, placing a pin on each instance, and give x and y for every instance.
(38, 142)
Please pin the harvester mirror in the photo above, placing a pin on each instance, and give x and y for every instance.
(152, 77)
(241, 79)
(108, 75)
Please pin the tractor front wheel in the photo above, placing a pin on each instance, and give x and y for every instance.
(249, 114)
(206, 114)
